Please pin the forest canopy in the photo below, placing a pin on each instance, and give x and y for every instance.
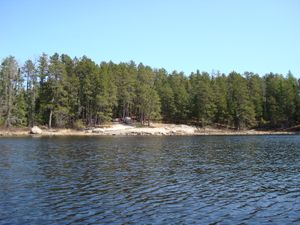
(58, 91)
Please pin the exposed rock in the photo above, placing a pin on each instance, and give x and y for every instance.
(98, 130)
(36, 130)
(128, 120)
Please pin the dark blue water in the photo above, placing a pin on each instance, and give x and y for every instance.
(150, 180)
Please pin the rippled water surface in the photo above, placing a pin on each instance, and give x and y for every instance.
(150, 180)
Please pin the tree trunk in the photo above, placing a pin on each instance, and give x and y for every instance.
(33, 108)
(143, 118)
(124, 109)
(50, 119)
(7, 121)
(8, 112)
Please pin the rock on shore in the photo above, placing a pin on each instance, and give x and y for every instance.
(36, 130)
(157, 129)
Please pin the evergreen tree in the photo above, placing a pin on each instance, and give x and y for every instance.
(86, 70)
(105, 95)
(179, 84)
(274, 104)
(290, 93)
(220, 92)
(241, 109)
(65, 92)
(255, 86)
(297, 103)
(150, 105)
(20, 111)
(125, 78)
(42, 94)
(57, 94)
(11, 93)
(202, 98)
(166, 94)
(147, 99)
(31, 77)
(72, 87)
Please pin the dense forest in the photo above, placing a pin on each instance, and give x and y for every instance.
(58, 91)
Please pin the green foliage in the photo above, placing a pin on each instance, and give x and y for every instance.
(106, 94)
(255, 86)
(32, 87)
(241, 109)
(125, 80)
(20, 111)
(11, 94)
(179, 84)
(63, 92)
(147, 99)
(220, 93)
(202, 96)
(166, 94)
(78, 124)
(274, 103)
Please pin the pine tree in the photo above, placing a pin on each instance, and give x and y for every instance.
(57, 94)
(125, 78)
(105, 94)
(86, 70)
(274, 103)
(20, 111)
(72, 88)
(220, 90)
(166, 94)
(10, 93)
(179, 84)
(290, 99)
(62, 92)
(255, 86)
(202, 98)
(147, 99)
(32, 88)
(241, 109)
(297, 103)
(42, 93)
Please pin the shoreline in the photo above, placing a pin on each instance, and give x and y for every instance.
(130, 130)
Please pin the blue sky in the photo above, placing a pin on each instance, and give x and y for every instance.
(242, 35)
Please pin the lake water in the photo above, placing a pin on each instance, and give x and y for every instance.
(150, 180)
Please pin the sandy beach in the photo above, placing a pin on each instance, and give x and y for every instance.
(157, 129)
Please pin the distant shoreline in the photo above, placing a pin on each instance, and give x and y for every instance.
(128, 130)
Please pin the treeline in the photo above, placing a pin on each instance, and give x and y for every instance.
(59, 91)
